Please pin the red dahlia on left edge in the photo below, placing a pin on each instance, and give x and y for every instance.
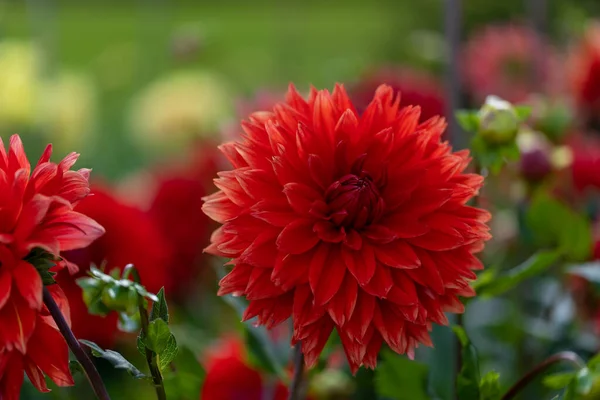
(37, 222)
(348, 221)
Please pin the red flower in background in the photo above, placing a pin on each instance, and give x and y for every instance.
(47, 354)
(131, 238)
(417, 89)
(36, 211)
(229, 377)
(584, 70)
(501, 60)
(350, 221)
(585, 167)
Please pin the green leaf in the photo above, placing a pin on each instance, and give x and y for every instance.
(92, 296)
(260, 340)
(168, 354)
(257, 353)
(489, 387)
(184, 381)
(399, 378)
(467, 381)
(468, 120)
(535, 265)
(160, 308)
(558, 381)
(594, 362)
(75, 367)
(584, 380)
(158, 336)
(523, 112)
(554, 224)
(116, 359)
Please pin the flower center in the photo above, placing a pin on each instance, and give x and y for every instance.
(354, 201)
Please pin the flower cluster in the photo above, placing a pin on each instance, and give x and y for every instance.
(37, 222)
(348, 221)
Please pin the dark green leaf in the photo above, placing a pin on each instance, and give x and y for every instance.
(399, 378)
(495, 285)
(116, 359)
(160, 308)
(260, 340)
(558, 381)
(158, 336)
(185, 379)
(467, 381)
(489, 387)
(76, 368)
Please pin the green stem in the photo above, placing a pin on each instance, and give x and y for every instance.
(151, 358)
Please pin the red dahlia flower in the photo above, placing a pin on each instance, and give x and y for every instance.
(350, 221)
(501, 60)
(229, 377)
(417, 89)
(131, 237)
(47, 354)
(586, 162)
(36, 211)
(584, 70)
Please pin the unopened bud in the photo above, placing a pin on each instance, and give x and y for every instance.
(498, 121)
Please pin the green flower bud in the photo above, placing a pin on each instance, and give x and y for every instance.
(498, 121)
(120, 298)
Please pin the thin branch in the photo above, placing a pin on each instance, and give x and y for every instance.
(296, 385)
(157, 379)
(88, 366)
(567, 356)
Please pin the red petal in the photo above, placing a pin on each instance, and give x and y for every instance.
(397, 254)
(35, 375)
(291, 270)
(342, 306)
(5, 286)
(29, 283)
(301, 197)
(18, 322)
(12, 380)
(50, 353)
(361, 263)
(330, 280)
(297, 237)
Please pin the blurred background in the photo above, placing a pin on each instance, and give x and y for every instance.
(145, 91)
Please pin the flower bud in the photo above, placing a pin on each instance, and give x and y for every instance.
(535, 151)
(119, 298)
(498, 121)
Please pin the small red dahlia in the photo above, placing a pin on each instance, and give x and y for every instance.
(47, 354)
(502, 59)
(36, 212)
(417, 89)
(350, 221)
(584, 70)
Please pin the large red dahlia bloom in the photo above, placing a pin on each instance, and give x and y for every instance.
(36, 211)
(47, 354)
(350, 221)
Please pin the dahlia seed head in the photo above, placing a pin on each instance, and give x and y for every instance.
(347, 221)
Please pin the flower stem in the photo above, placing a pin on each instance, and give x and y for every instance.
(296, 385)
(157, 379)
(90, 370)
(567, 356)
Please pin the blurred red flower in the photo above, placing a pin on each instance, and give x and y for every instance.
(47, 354)
(585, 165)
(350, 221)
(417, 89)
(229, 377)
(584, 70)
(501, 60)
(131, 238)
(36, 212)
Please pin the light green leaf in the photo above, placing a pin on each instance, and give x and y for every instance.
(523, 112)
(116, 359)
(168, 354)
(186, 378)
(489, 387)
(158, 336)
(399, 378)
(558, 381)
(535, 265)
(468, 120)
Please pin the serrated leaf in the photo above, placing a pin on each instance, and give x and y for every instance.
(186, 378)
(399, 378)
(158, 336)
(468, 379)
(534, 265)
(168, 354)
(116, 359)
(160, 308)
(489, 387)
(558, 381)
